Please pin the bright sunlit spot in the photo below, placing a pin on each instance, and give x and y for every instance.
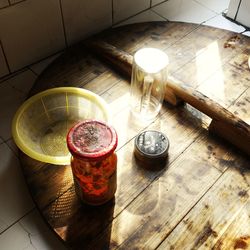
(151, 60)
(208, 62)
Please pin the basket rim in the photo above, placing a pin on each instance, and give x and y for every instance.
(57, 160)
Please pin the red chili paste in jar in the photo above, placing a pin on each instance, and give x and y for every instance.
(92, 144)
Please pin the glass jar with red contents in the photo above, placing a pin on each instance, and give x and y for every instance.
(92, 144)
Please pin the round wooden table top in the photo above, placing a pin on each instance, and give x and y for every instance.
(200, 198)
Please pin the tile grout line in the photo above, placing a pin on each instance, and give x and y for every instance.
(17, 221)
(27, 67)
(140, 12)
(134, 15)
(63, 23)
(112, 11)
(5, 57)
(159, 15)
(12, 150)
(11, 4)
(207, 7)
(236, 22)
(210, 18)
(1, 140)
(237, 11)
(33, 71)
(159, 3)
(12, 74)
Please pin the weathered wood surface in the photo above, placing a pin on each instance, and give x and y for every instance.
(200, 198)
(224, 123)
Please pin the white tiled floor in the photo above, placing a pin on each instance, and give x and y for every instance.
(12, 94)
(247, 33)
(21, 227)
(220, 21)
(14, 197)
(30, 233)
(185, 11)
(214, 5)
(145, 16)
(38, 68)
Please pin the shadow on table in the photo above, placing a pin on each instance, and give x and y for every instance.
(79, 224)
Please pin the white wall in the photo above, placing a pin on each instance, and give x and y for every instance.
(31, 30)
(239, 10)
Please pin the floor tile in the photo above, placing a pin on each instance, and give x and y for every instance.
(10, 100)
(26, 37)
(243, 16)
(82, 18)
(154, 2)
(15, 199)
(30, 233)
(11, 144)
(223, 23)
(3, 66)
(247, 33)
(215, 5)
(127, 8)
(12, 94)
(38, 68)
(145, 16)
(15, 1)
(23, 82)
(232, 8)
(184, 11)
(3, 3)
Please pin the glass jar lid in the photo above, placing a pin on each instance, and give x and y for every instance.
(151, 146)
(92, 140)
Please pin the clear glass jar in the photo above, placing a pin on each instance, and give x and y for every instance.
(148, 82)
(92, 145)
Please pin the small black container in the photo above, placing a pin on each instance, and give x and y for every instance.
(151, 149)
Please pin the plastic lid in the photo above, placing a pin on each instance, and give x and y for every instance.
(151, 146)
(92, 140)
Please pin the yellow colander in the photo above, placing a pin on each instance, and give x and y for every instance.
(40, 125)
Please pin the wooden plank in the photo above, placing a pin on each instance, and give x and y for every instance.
(199, 53)
(241, 107)
(131, 179)
(102, 83)
(157, 34)
(75, 67)
(196, 71)
(225, 86)
(223, 221)
(237, 235)
(46, 182)
(224, 123)
(156, 211)
(217, 211)
(150, 205)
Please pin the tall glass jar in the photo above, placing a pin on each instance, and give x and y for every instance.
(92, 144)
(148, 81)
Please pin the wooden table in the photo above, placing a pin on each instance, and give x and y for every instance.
(200, 198)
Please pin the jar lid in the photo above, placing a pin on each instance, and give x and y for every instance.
(92, 140)
(151, 146)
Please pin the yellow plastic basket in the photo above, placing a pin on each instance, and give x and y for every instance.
(40, 125)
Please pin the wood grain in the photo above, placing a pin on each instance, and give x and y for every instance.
(224, 123)
(218, 211)
(154, 207)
